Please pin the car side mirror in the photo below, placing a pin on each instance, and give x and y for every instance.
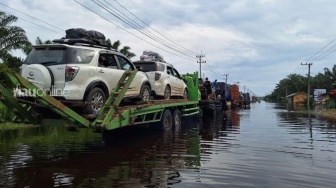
(139, 68)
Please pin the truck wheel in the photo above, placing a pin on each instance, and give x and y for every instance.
(96, 99)
(145, 93)
(200, 113)
(167, 93)
(166, 121)
(177, 119)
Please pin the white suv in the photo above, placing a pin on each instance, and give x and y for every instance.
(71, 71)
(165, 80)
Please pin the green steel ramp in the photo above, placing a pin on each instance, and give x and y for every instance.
(40, 99)
(112, 103)
(22, 112)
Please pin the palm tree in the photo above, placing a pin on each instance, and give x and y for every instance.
(38, 40)
(331, 76)
(125, 50)
(11, 37)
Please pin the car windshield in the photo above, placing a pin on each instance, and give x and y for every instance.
(149, 66)
(46, 55)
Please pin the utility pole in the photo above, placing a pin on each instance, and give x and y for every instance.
(226, 75)
(309, 64)
(200, 62)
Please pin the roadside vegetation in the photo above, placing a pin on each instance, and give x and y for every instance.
(295, 83)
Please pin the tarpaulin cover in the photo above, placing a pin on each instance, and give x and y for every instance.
(151, 56)
(95, 37)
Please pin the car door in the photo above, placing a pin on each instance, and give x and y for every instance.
(125, 64)
(179, 82)
(174, 84)
(108, 71)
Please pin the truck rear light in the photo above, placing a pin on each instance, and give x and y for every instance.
(157, 76)
(70, 73)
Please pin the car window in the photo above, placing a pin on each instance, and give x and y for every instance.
(160, 67)
(146, 67)
(170, 71)
(80, 56)
(107, 61)
(175, 73)
(124, 63)
(46, 55)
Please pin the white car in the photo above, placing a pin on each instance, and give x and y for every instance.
(165, 80)
(71, 71)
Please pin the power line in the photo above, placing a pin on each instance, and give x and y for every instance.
(32, 17)
(135, 26)
(212, 69)
(325, 53)
(37, 24)
(321, 50)
(129, 31)
(200, 64)
(187, 50)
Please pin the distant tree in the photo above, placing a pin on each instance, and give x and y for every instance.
(331, 77)
(11, 37)
(125, 49)
(38, 40)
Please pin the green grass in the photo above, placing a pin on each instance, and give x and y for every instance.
(328, 114)
(13, 126)
(4, 113)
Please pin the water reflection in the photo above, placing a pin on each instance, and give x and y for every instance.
(264, 146)
(53, 157)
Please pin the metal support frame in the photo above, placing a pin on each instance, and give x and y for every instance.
(49, 102)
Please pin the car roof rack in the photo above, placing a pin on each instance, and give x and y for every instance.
(90, 45)
(80, 42)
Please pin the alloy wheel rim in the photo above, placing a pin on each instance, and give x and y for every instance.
(145, 96)
(97, 101)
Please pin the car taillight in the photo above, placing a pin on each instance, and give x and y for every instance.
(70, 73)
(157, 76)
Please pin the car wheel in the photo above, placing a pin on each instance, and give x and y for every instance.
(95, 99)
(177, 119)
(167, 93)
(167, 121)
(185, 94)
(145, 93)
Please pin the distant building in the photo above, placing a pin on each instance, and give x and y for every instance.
(297, 98)
(330, 99)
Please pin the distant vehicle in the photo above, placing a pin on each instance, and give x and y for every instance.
(77, 71)
(165, 80)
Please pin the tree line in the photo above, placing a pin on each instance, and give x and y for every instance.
(294, 83)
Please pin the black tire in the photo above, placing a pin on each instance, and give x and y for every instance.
(167, 121)
(96, 99)
(177, 116)
(145, 93)
(167, 93)
(200, 114)
(185, 94)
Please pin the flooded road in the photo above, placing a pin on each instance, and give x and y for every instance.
(263, 146)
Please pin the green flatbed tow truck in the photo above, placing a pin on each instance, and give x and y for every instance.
(112, 115)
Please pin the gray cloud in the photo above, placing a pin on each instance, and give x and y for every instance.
(257, 42)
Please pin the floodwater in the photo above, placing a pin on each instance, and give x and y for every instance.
(263, 146)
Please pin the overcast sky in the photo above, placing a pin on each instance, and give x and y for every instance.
(255, 42)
